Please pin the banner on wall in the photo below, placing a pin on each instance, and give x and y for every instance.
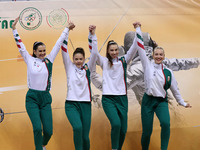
(42, 21)
(31, 18)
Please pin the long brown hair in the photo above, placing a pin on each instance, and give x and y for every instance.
(111, 42)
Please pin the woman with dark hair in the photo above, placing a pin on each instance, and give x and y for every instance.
(158, 79)
(38, 98)
(78, 101)
(114, 96)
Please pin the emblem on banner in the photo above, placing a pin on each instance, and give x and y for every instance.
(57, 18)
(30, 18)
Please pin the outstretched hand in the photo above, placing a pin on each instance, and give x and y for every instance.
(136, 24)
(70, 25)
(188, 106)
(14, 23)
(92, 29)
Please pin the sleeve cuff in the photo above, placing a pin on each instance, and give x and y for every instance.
(66, 30)
(183, 103)
(93, 37)
(15, 31)
(138, 29)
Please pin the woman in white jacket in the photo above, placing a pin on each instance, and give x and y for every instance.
(158, 78)
(114, 86)
(78, 101)
(38, 98)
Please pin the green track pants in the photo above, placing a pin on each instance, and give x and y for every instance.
(38, 107)
(158, 105)
(116, 109)
(79, 116)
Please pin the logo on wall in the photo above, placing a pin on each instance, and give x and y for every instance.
(30, 18)
(57, 18)
(5, 22)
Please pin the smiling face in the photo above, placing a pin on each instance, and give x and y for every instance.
(40, 52)
(78, 60)
(158, 55)
(113, 51)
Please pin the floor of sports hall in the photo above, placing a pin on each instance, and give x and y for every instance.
(174, 24)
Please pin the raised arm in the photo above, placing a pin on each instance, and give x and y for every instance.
(176, 93)
(95, 77)
(140, 44)
(92, 39)
(65, 54)
(59, 42)
(99, 59)
(132, 50)
(20, 45)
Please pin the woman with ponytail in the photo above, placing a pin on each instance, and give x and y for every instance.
(158, 79)
(79, 95)
(38, 98)
(114, 96)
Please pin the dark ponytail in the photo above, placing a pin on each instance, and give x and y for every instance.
(79, 50)
(152, 43)
(112, 42)
(35, 47)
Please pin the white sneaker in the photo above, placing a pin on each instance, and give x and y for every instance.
(44, 148)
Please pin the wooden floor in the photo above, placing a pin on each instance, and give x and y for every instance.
(174, 24)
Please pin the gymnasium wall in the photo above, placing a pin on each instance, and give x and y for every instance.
(173, 24)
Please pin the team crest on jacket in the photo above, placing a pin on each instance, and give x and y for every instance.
(168, 78)
(46, 61)
(123, 60)
(86, 67)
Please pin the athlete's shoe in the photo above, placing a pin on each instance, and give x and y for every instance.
(44, 148)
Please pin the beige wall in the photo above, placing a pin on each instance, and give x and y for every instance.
(173, 24)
